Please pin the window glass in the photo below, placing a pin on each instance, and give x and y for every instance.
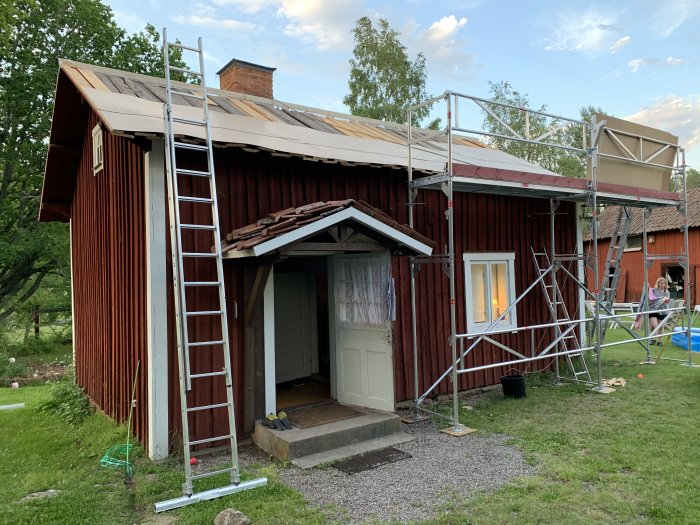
(479, 291)
(499, 290)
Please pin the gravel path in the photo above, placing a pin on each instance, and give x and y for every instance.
(441, 467)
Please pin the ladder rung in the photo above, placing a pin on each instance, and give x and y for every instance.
(205, 343)
(207, 407)
(212, 473)
(193, 173)
(187, 94)
(208, 374)
(195, 147)
(186, 71)
(203, 313)
(202, 283)
(189, 121)
(204, 200)
(209, 440)
(198, 227)
(199, 254)
(181, 46)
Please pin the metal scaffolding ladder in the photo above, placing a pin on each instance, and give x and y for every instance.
(193, 266)
(611, 275)
(565, 334)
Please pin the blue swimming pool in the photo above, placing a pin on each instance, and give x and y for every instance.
(679, 338)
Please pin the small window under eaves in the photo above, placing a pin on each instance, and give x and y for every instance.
(97, 150)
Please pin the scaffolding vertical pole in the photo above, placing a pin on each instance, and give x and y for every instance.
(596, 270)
(555, 297)
(412, 262)
(451, 271)
(644, 305)
(686, 268)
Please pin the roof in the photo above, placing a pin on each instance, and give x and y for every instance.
(661, 219)
(293, 225)
(131, 104)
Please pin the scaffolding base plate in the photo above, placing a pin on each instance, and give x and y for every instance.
(650, 362)
(175, 503)
(690, 365)
(457, 431)
(603, 389)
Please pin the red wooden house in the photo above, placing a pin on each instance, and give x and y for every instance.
(331, 191)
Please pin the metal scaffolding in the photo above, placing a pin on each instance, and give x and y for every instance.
(565, 343)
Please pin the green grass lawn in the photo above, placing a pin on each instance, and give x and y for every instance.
(626, 457)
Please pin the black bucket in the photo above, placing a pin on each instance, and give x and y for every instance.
(513, 385)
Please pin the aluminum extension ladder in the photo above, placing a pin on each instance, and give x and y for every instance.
(189, 258)
(557, 309)
(611, 275)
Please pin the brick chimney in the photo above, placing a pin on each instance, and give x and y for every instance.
(244, 77)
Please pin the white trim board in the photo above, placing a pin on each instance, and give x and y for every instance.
(156, 301)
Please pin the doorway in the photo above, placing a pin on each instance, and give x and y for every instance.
(302, 344)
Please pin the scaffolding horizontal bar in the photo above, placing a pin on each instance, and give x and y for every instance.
(209, 494)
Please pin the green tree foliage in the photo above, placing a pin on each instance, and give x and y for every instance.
(383, 80)
(692, 180)
(33, 35)
(568, 163)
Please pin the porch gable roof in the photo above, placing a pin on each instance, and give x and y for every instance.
(287, 228)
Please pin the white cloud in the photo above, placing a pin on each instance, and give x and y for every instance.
(587, 33)
(248, 6)
(445, 28)
(677, 115)
(320, 23)
(637, 63)
(443, 45)
(671, 14)
(129, 21)
(219, 23)
(620, 43)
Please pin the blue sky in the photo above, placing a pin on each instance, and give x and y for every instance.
(636, 60)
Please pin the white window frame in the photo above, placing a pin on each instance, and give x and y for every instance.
(494, 257)
(628, 248)
(97, 150)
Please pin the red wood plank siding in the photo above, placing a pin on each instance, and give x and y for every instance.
(251, 185)
(632, 264)
(109, 262)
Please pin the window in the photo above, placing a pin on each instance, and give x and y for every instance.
(364, 290)
(97, 150)
(634, 243)
(489, 289)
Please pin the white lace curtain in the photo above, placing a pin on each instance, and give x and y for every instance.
(364, 291)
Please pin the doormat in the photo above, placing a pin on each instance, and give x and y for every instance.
(370, 460)
(321, 414)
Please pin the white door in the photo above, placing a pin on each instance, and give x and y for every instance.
(364, 365)
(295, 323)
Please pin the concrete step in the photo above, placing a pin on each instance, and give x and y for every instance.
(302, 442)
(348, 451)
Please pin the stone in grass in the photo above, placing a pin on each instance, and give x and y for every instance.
(39, 495)
(231, 517)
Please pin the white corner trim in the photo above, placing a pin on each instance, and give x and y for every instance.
(327, 222)
(156, 301)
(581, 273)
(269, 337)
(72, 298)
